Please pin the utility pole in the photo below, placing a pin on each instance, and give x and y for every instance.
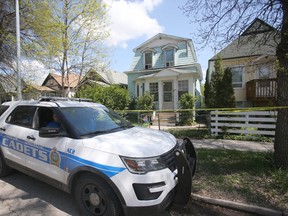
(19, 86)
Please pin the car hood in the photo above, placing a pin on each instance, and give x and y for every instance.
(133, 142)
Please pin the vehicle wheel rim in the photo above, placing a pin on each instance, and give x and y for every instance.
(94, 200)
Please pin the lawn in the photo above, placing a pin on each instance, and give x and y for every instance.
(246, 177)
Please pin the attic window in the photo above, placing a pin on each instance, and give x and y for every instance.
(169, 57)
(148, 60)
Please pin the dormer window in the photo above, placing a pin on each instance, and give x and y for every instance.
(148, 60)
(169, 53)
(169, 57)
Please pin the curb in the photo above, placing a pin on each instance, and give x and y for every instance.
(239, 206)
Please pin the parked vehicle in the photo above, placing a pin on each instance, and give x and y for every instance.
(111, 167)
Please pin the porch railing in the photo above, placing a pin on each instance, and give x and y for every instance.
(261, 89)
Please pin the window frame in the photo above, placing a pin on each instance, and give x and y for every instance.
(148, 66)
(15, 111)
(235, 84)
(167, 63)
(180, 93)
(153, 92)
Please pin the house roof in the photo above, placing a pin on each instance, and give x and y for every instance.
(109, 77)
(8, 83)
(42, 88)
(168, 72)
(160, 36)
(73, 79)
(258, 39)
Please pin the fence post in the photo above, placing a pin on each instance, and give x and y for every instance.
(158, 120)
(246, 124)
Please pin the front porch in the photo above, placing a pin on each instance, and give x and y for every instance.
(262, 92)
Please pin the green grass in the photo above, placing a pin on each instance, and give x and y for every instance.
(203, 133)
(247, 177)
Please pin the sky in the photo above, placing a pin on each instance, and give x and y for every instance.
(135, 21)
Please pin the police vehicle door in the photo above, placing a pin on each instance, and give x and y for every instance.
(14, 131)
(53, 148)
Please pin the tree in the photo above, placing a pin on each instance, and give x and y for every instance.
(227, 91)
(113, 96)
(145, 102)
(29, 31)
(187, 101)
(78, 31)
(225, 20)
(221, 92)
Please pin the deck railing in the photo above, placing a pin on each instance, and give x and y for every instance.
(259, 89)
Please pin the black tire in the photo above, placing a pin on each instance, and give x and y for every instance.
(4, 168)
(95, 197)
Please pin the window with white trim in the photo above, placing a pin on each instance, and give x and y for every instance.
(182, 87)
(169, 57)
(237, 77)
(148, 60)
(153, 88)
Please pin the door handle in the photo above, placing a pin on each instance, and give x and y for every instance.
(3, 129)
(31, 137)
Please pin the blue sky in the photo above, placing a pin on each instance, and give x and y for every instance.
(135, 21)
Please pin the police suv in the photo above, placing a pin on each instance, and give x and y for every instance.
(110, 167)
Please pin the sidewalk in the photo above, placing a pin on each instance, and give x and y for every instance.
(234, 145)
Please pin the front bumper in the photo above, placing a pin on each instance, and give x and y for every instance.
(185, 159)
(177, 189)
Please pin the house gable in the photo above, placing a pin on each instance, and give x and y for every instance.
(259, 39)
(184, 52)
(251, 57)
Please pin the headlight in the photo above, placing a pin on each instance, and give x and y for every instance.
(143, 165)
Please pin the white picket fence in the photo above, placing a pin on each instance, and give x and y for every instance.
(245, 123)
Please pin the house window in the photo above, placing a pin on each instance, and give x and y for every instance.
(237, 77)
(182, 87)
(148, 60)
(167, 91)
(153, 88)
(169, 57)
(265, 72)
(138, 90)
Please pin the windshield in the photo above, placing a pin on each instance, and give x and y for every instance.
(94, 120)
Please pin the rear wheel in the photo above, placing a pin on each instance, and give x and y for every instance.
(95, 197)
(4, 168)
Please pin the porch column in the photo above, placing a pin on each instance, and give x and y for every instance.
(175, 94)
(160, 94)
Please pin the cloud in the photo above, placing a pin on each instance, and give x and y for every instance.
(131, 19)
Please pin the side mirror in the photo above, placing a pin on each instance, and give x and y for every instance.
(49, 132)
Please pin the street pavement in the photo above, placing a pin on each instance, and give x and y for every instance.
(21, 195)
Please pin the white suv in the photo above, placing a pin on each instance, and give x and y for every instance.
(110, 167)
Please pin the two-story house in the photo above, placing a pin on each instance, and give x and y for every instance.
(165, 66)
(252, 59)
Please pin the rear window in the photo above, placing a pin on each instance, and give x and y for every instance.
(3, 108)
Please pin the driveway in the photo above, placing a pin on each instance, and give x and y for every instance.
(21, 195)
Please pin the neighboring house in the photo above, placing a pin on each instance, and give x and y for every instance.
(104, 78)
(165, 66)
(54, 81)
(35, 92)
(8, 87)
(252, 59)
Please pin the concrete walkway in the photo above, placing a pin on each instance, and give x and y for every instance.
(233, 144)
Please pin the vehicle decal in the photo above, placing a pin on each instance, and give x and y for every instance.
(63, 160)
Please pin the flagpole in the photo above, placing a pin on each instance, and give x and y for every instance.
(19, 86)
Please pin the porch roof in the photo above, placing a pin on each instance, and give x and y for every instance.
(168, 72)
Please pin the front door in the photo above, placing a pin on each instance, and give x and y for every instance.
(168, 95)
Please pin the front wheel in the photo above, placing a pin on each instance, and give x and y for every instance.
(95, 197)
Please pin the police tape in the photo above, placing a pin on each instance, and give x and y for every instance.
(243, 109)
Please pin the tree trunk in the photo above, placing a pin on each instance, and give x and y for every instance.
(281, 135)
